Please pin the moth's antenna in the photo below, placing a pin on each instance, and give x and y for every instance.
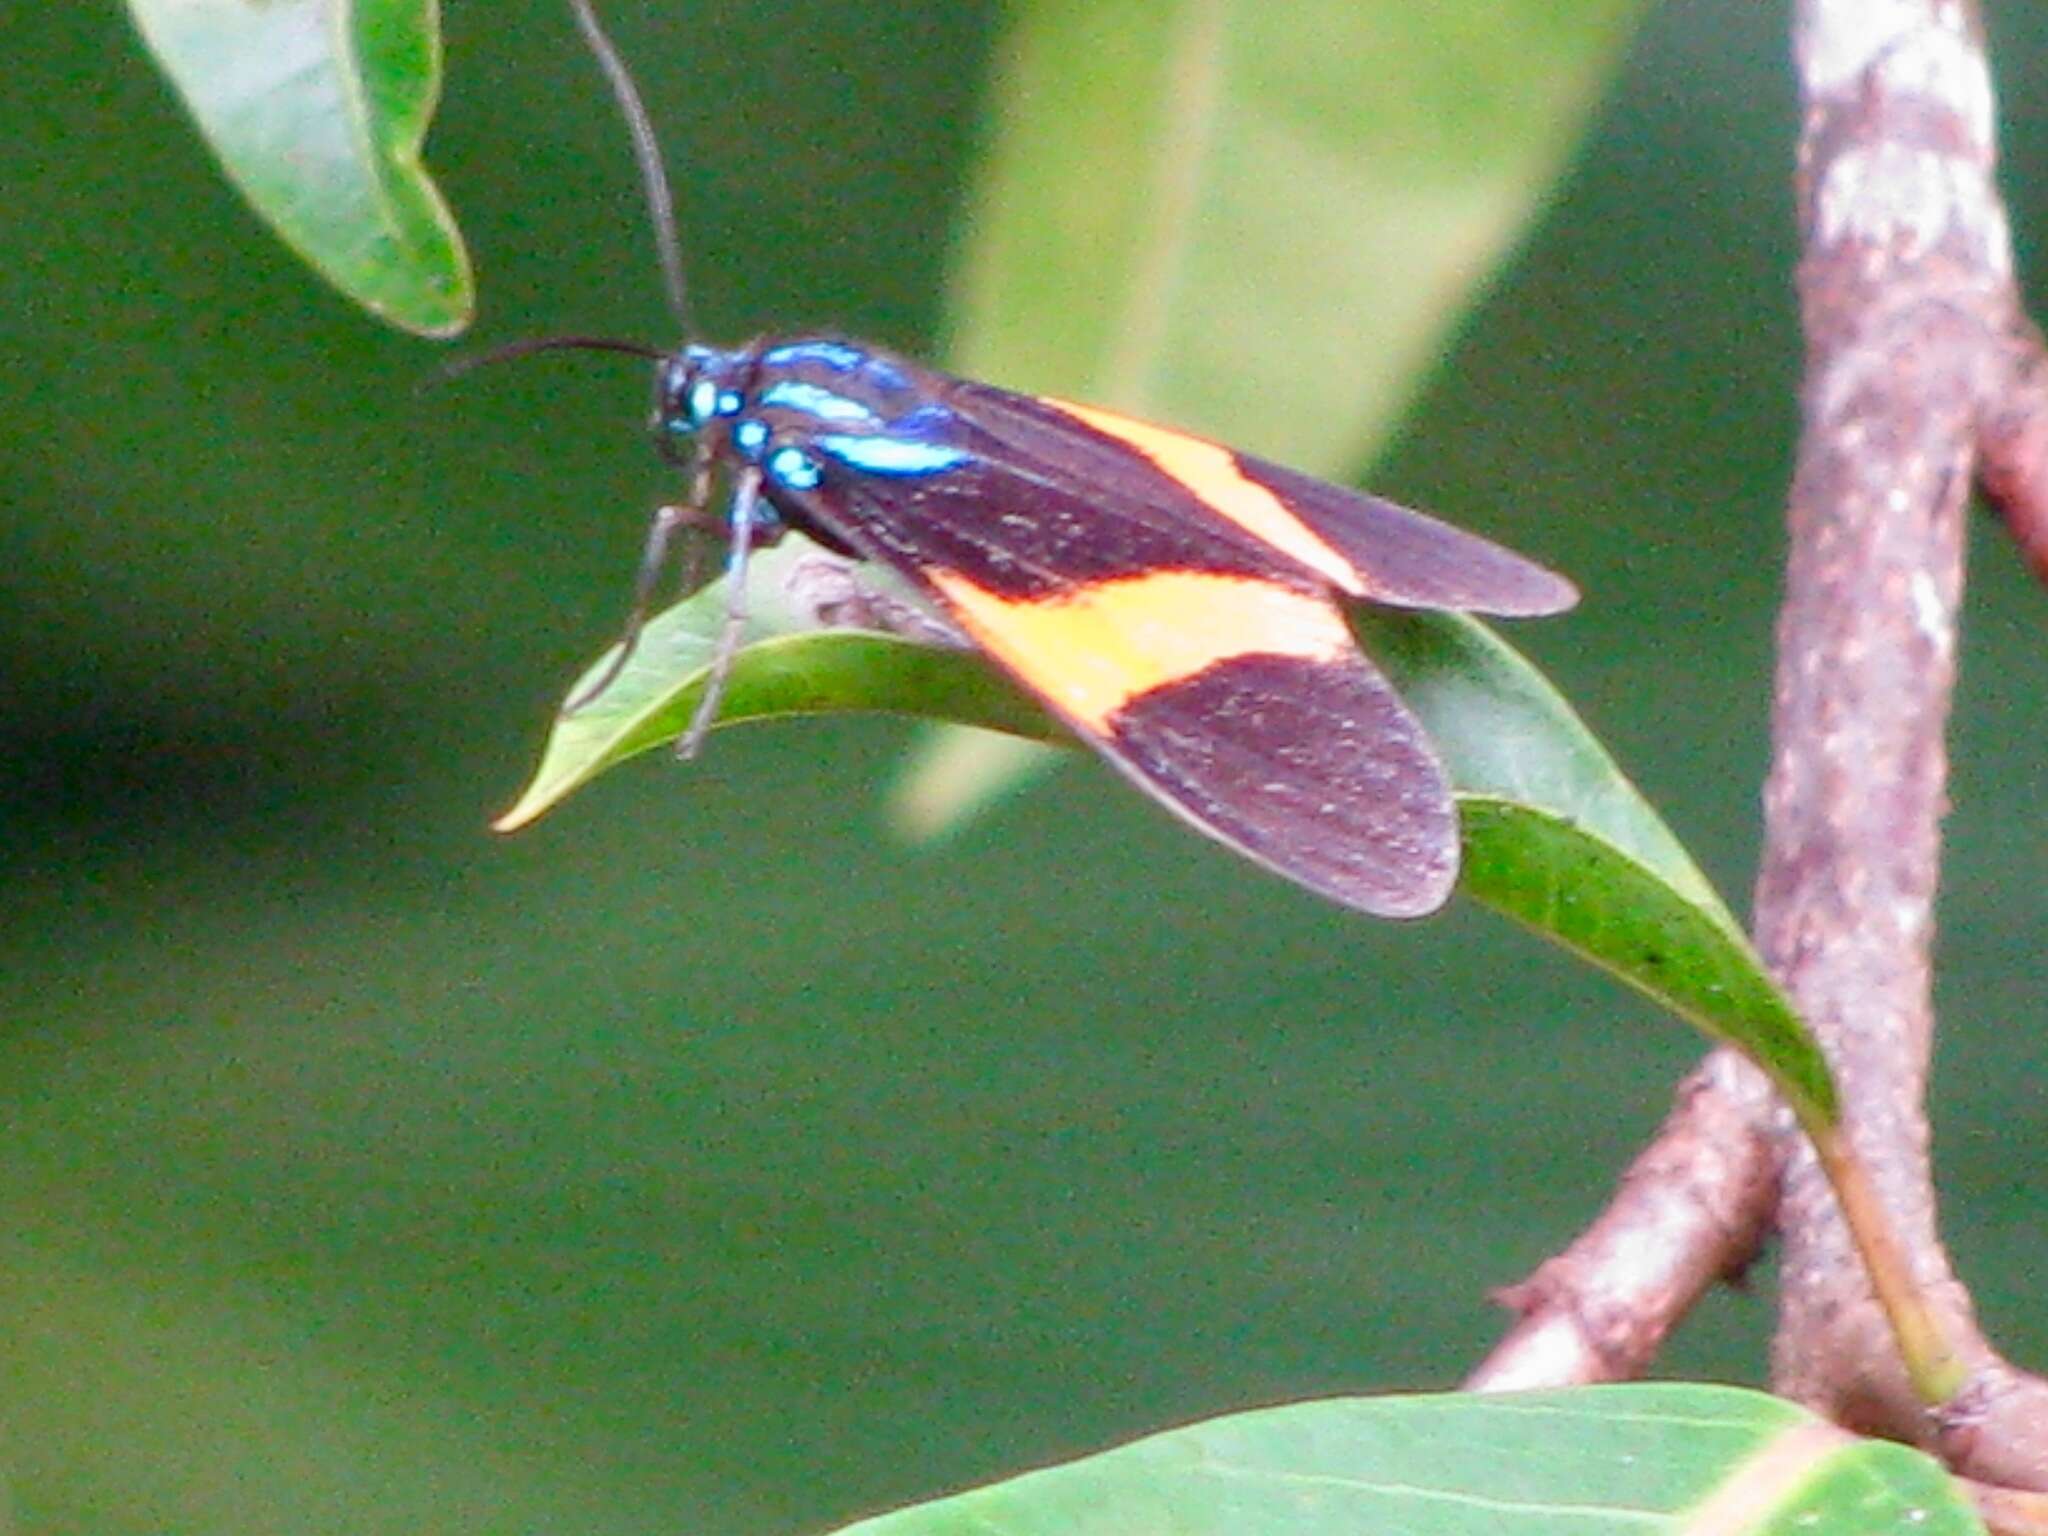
(532, 344)
(661, 203)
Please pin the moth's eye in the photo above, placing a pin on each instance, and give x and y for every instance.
(703, 402)
(673, 388)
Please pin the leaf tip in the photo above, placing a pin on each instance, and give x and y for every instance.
(524, 812)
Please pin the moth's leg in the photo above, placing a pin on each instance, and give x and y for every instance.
(661, 532)
(751, 521)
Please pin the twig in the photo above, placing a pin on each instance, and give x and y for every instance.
(1907, 299)
(1693, 1208)
(1921, 369)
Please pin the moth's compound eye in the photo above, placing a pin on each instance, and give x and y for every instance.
(675, 387)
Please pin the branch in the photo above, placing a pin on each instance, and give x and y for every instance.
(1692, 1209)
(1921, 369)
(1907, 299)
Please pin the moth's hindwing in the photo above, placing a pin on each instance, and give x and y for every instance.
(1245, 707)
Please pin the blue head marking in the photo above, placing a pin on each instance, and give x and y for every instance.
(688, 392)
(703, 401)
(795, 469)
(814, 400)
(729, 402)
(892, 455)
(749, 436)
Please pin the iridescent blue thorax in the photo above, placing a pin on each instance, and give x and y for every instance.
(800, 409)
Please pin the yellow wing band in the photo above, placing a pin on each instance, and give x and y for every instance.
(1091, 650)
(1210, 472)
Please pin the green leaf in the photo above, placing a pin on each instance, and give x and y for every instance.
(1630, 1460)
(317, 110)
(1555, 835)
(781, 670)
(1260, 222)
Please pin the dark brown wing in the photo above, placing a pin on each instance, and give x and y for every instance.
(1363, 545)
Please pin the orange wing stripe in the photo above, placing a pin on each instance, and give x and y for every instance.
(1210, 471)
(1091, 650)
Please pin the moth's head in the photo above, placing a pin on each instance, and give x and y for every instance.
(693, 388)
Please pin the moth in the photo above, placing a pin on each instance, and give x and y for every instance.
(1176, 603)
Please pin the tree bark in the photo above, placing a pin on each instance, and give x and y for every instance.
(1922, 375)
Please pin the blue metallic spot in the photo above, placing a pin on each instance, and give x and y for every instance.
(748, 437)
(833, 354)
(840, 357)
(926, 420)
(703, 401)
(795, 469)
(729, 402)
(885, 373)
(815, 401)
(892, 455)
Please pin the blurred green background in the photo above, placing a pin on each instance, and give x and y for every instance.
(703, 1159)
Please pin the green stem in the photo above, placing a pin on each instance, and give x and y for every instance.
(1932, 1361)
